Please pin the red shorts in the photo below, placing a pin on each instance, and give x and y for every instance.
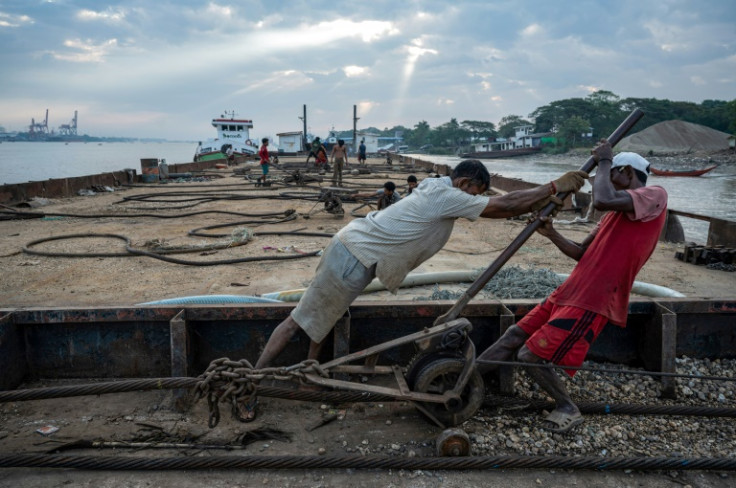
(561, 335)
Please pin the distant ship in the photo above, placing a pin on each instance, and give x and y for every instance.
(231, 132)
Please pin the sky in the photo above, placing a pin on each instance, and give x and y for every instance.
(164, 68)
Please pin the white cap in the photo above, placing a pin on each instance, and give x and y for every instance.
(631, 159)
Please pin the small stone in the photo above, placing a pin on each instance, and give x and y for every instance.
(364, 442)
(321, 451)
(388, 422)
(411, 454)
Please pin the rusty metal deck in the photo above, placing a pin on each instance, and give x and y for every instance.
(156, 341)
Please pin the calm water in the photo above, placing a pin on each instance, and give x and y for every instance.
(713, 194)
(37, 161)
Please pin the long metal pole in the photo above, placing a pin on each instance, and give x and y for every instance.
(481, 281)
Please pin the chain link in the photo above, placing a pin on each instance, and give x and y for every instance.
(234, 382)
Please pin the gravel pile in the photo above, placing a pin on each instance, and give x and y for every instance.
(495, 432)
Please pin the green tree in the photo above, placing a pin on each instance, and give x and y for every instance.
(479, 130)
(731, 114)
(419, 135)
(572, 129)
(604, 112)
(449, 134)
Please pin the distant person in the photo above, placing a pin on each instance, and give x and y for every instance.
(265, 160)
(321, 159)
(230, 155)
(339, 160)
(361, 152)
(562, 328)
(411, 183)
(389, 244)
(197, 151)
(386, 196)
(313, 148)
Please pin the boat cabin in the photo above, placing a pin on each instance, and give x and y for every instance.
(228, 129)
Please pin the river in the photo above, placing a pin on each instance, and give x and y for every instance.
(713, 194)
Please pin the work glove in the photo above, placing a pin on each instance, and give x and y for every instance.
(570, 181)
(540, 204)
(602, 150)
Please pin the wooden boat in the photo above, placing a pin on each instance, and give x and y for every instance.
(522, 151)
(694, 172)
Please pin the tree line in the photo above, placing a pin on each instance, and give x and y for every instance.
(599, 113)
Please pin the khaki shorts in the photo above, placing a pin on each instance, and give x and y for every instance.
(339, 279)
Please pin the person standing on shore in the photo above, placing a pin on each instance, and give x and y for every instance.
(339, 159)
(388, 244)
(562, 328)
(361, 152)
(265, 160)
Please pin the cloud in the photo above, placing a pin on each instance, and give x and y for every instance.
(110, 15)
(400, 62)
(355, 71)
(9, 20)
(87, 51)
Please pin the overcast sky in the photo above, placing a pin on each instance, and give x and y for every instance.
(165, 68)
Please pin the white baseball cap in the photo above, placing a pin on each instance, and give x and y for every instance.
(631, 159)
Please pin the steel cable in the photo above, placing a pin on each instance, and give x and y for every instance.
(342, 397)
(112, 463)
(131, 251)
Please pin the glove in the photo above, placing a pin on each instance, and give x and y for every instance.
(570, 181)
(540, 204)
(602, 150)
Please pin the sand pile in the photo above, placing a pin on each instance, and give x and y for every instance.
(675, 136)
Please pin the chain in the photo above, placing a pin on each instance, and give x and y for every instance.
(233, 382)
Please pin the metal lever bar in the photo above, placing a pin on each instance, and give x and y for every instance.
(484, 278)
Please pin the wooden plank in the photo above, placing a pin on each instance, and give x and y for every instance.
(658, 346)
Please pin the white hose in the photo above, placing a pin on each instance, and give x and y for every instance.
(646, 289)
(419, 279)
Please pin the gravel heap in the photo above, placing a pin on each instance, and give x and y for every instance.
(509, 282)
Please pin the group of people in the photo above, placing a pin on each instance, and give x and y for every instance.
(389, 243)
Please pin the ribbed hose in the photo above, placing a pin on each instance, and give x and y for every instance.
(210, 300)
(420, 279)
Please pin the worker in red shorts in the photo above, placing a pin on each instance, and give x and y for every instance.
(561, 329)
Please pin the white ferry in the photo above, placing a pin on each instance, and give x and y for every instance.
(230, 132)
